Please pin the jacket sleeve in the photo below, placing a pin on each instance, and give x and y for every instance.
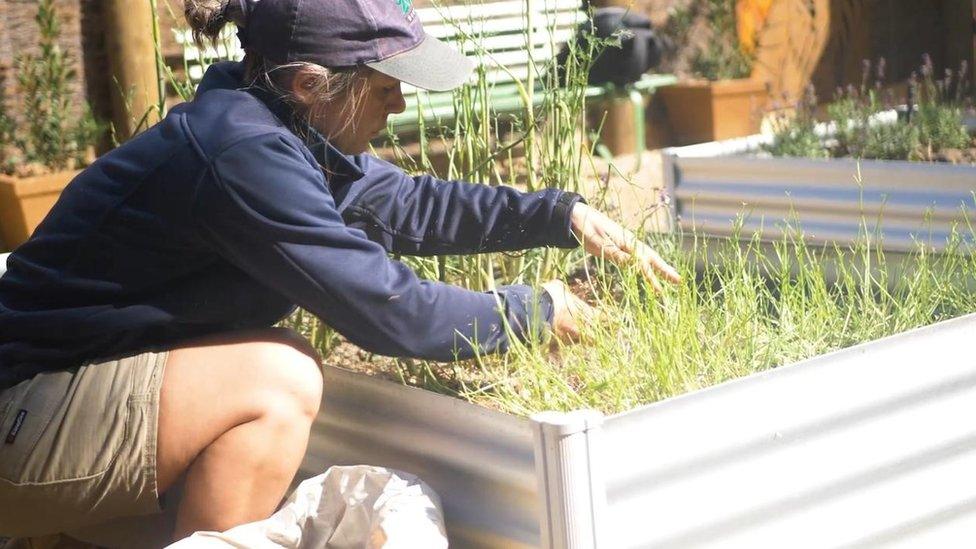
(423, 215)
(267, 210)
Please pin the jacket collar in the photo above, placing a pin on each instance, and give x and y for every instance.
(230, 75)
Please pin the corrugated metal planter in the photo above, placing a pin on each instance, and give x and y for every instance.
(861, 447)
(866, 446)
(715, 184)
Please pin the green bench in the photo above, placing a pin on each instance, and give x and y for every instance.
(494, 34)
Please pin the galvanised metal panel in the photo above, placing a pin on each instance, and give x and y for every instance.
(480, 462)
(901, 201)
(872, 445)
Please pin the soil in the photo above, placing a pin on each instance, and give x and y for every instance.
(964, 157)
(957, 156)
(34, 169)
(451, 375)
(28, 170)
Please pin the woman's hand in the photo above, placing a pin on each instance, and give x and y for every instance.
(569, 312)
(603, 237)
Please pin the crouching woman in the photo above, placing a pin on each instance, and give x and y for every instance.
(135, 325)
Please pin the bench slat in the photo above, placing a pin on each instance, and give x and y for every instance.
(461, 12)
(510, 25)
(514, 41)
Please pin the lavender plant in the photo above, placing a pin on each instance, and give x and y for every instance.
(930, 125)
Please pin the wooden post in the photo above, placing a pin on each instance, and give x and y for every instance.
(132, 59)
(619, 128)
(959, 18)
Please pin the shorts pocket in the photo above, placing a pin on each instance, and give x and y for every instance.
(65, 425)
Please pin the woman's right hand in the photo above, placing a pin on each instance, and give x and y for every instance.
(569, 313)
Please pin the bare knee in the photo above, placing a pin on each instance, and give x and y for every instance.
(221, 383)
(290, 380)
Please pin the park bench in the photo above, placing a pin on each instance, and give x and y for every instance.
(495, 34)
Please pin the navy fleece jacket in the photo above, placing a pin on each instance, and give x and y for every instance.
(222, 218)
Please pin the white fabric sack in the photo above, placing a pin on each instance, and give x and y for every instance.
(344, 508)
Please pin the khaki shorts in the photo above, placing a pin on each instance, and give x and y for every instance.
(78, 446)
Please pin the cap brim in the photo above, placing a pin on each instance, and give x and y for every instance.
(432, 65)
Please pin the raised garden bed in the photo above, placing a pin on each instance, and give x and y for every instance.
(871, 440)
(721, 188)
(765, 456)
(730, 411)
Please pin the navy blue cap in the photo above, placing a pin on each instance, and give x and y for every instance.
(383, 34)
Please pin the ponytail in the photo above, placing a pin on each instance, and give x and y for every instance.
(208, 17)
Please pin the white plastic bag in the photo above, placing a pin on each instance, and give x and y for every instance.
(344, 508)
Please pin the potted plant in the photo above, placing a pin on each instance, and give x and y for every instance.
(720, 99)
(43, 150)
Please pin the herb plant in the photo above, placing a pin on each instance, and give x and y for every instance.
(930, 125)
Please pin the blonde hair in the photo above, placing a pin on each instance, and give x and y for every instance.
(207, 19)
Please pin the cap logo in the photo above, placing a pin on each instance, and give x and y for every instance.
(404, 5)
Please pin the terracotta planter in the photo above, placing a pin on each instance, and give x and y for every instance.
(24, 201)
(700, 111)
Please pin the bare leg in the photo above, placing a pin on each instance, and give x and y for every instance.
(235, 415)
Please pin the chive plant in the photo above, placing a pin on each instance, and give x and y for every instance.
(745, 306)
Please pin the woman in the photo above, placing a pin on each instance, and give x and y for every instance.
(135, 339)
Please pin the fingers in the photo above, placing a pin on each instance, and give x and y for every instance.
(579, 327)
(649, 262)
(652, 258)
(651, 277)
(570, 313)
(602, 237)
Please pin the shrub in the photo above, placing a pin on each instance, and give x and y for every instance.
(722, 55)
(52, 136)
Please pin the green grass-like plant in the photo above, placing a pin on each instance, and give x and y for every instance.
(751, 307)
(746, 305)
